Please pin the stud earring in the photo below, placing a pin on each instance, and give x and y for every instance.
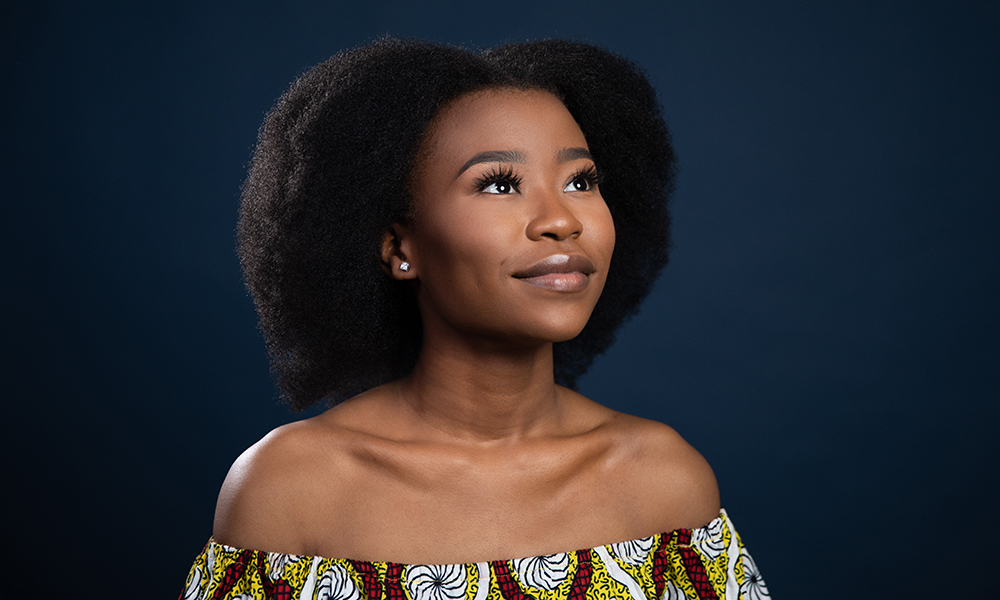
(404, 266)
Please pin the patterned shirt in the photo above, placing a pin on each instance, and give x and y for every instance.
(708, 562)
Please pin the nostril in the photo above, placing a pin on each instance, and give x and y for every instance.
(554, 220)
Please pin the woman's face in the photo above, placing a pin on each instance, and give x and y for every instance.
(510, 238)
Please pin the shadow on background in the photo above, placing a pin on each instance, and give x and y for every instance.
(826, 333)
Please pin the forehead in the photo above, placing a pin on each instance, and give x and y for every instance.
(506, 119)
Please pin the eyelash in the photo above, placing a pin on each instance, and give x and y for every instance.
(498, 174)
(590, 175)
(505, 174)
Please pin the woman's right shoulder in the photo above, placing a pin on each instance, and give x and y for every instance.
(295, 470)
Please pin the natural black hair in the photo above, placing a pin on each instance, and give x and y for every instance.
(331, 174)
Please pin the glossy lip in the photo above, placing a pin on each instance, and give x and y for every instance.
(558, 263)
(559, 272)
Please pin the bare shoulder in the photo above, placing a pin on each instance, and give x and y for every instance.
(676, 486)
(668, 484)
(277, 480)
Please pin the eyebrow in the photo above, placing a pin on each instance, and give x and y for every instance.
(515, 156)
(504, 156)
(568, 154)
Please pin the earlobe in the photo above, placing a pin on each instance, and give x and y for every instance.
(394, 261)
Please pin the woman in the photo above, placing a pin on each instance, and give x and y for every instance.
(435, 241)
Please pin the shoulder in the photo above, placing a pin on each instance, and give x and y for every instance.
(674, 485)
(277, 480)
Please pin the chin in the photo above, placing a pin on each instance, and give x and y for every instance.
(551, 325)
(559, 332)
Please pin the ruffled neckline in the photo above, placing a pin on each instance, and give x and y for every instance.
(636, 549)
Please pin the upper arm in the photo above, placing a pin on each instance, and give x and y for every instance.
(264, 494)
(683, 489)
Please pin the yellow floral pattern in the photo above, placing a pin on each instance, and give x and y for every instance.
(687, 564)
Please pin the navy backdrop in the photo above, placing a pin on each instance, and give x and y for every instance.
(826, 333)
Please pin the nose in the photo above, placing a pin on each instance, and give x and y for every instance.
(553, 218)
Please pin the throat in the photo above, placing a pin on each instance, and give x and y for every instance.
(477, 397)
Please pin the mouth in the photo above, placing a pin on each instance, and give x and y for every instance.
(559, 272)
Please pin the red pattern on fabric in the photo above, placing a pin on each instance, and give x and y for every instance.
(393, 586)
(234, 573)
(683, 537)
(277, 590)
(581, 581)
(696, 573)
(661, 565)
(505, 581)
(369, 578)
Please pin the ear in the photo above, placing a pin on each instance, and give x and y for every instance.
(393, 257)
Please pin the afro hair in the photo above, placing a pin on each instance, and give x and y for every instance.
(331, 174)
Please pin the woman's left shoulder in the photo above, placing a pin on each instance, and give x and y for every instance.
(676, 485)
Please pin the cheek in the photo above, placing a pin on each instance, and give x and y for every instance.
(603, 228)
(462, 250)
(461, 273)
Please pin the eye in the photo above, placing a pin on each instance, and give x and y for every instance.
(500, 180)
(583, 181)
(579, 184)
(499, 187)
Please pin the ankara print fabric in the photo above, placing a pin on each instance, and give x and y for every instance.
(687, 564)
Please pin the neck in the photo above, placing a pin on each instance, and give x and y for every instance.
(477, 390)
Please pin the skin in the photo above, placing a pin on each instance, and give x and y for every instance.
(478, 455)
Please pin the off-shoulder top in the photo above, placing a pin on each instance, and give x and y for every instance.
(703, 563)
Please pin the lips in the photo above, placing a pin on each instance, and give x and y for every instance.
(560, 272)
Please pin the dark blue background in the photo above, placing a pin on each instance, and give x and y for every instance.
(826, 333)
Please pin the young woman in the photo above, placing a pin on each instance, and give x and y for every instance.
(439, 243)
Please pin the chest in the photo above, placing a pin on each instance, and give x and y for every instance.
(457, 510)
